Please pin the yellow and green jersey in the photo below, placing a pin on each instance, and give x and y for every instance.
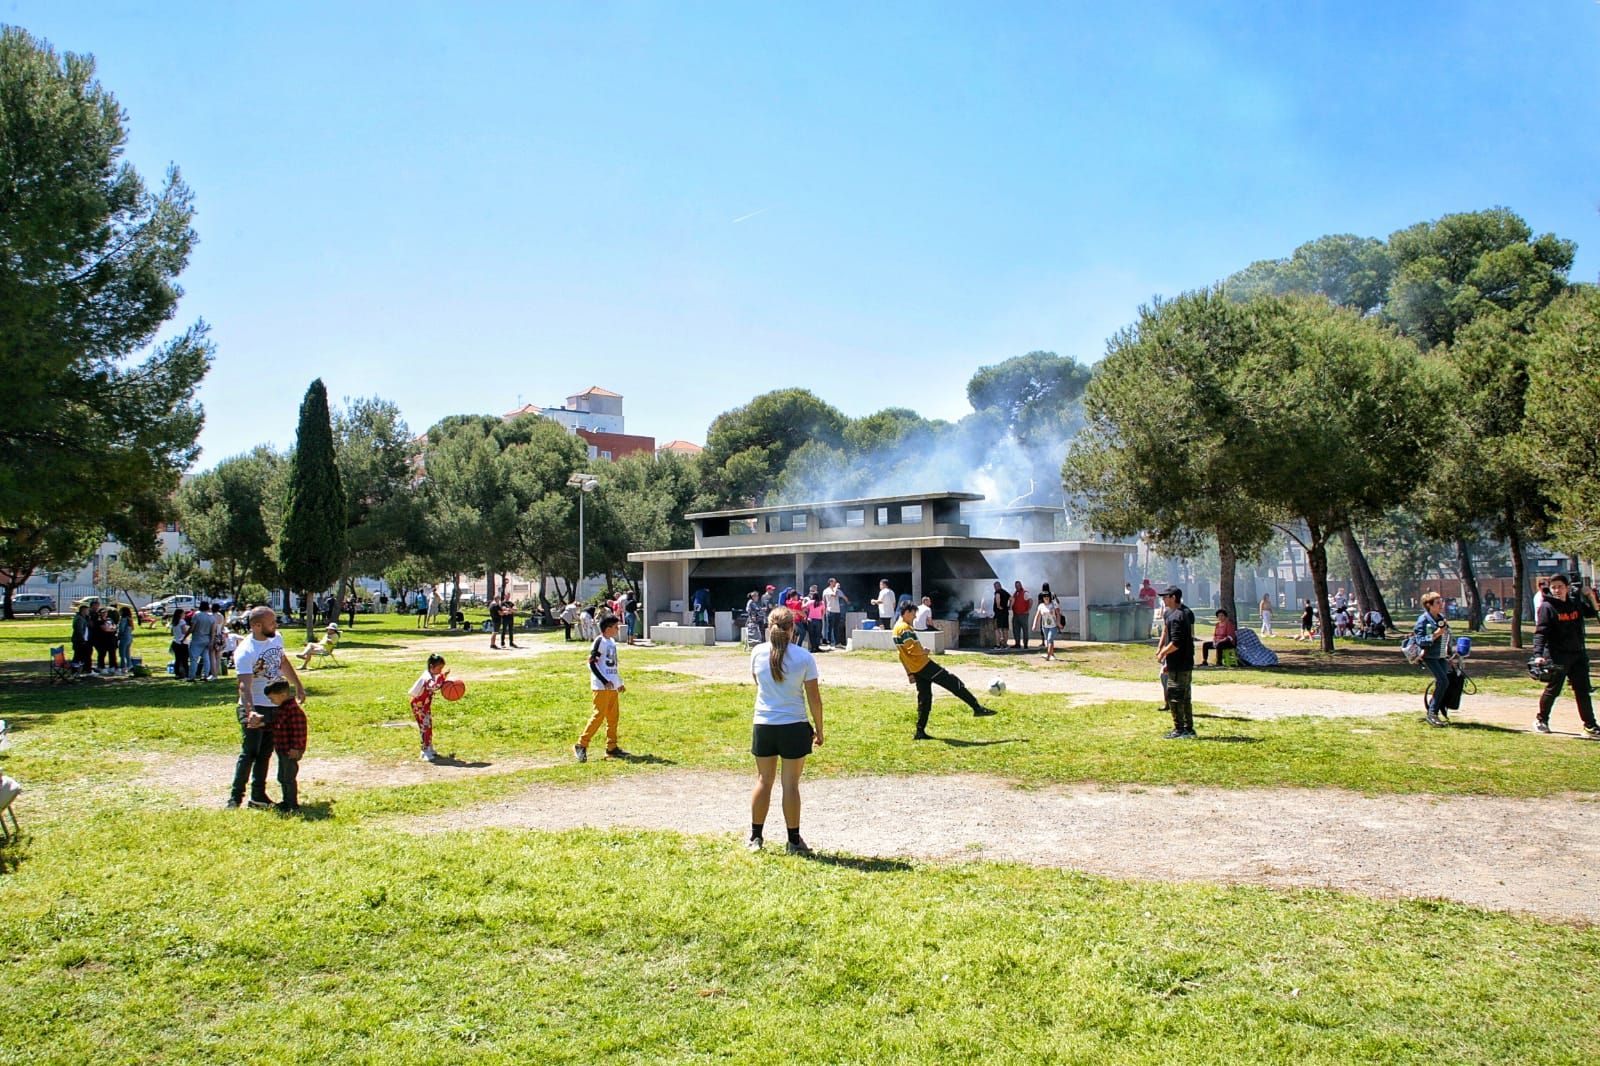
(913, 656)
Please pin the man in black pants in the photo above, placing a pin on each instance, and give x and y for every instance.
(1558, 635)
(260, 660)
(925, 673)
(1176, 654)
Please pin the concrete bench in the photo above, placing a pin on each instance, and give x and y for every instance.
(883, 640)
(663, 633)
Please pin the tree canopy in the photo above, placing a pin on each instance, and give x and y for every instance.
(95, 436)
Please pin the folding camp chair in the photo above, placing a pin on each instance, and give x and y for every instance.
(9, 790)
(60, 668)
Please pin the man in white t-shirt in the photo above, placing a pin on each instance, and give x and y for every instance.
(260, 660)
(831, 626)
(924, 619)
(885, 604)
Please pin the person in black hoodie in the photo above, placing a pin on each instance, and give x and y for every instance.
(1558, 636)
(1176, 655)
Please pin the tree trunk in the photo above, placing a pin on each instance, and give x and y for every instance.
(310, 616)
(1518, 576)
(1368, 590)
(1226, 556)
(455, 599)
(1469, 586)
(1317, 558)
(7, 612)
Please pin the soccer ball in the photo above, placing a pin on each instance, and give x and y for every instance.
(998, 687)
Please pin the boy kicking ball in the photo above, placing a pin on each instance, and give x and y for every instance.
(605, 682)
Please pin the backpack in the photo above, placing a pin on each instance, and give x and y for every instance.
(1413, 650)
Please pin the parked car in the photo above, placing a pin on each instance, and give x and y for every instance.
(39, 603)
(167, 604)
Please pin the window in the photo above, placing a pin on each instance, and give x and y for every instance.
(883, 516)
(855, 516)
(800, 520)
(911, 514)
(742, 527)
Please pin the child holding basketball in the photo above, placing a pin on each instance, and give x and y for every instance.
(432, 680)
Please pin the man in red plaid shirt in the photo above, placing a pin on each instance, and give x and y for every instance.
(289, 741)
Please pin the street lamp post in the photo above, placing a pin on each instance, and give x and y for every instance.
(585, 484)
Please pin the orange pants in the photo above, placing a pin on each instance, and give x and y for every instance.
(606, 705)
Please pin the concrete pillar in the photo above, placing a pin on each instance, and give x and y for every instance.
(916, 575)
(800, 572)
(683, 590)
(1083, 596)
(649, 604)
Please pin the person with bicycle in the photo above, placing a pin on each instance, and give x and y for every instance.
(1433, 635)
(1558, 640)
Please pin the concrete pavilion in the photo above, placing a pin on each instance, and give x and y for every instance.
(918, 542)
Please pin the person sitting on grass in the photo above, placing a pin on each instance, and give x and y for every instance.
(1223, 635)
(925, 673)
(422, 690)
(605, 682)
(288, 742)
(786, 686)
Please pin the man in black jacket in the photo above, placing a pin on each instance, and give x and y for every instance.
(1176, 655)
(1558, 635)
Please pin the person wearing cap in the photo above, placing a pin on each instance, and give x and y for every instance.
(925, 673)
(1176, 655)
(1558, 636)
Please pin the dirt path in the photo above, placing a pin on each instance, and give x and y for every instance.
(203, 779)
(1539, 856)
(731, 666)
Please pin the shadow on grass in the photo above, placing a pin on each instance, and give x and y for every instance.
(1485, 727)
(856, 862)
(312, 812)
(644, 760)
(451, 760)
(1225, 717)
(1231, 740)
(952, 743)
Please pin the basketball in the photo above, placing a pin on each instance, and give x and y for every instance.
(453, 689)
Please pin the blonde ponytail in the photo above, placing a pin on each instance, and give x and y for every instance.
(780, 631)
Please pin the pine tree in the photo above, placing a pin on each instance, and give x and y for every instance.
(311, 551)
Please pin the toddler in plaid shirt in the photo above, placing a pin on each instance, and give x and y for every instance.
(289, 741)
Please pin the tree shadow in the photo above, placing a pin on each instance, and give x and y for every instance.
(952, 743)
(856, 862)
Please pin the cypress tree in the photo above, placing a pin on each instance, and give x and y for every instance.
(312, 549)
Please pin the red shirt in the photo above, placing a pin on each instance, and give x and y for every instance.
(1224, 631)
(1020, 603)
(289, 729)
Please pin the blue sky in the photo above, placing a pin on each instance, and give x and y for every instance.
(455, 206)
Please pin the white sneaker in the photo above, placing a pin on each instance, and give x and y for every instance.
(429, 755)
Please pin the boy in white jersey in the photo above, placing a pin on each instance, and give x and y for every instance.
(605, 682)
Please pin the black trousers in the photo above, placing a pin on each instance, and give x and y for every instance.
(83, 654)
(180, 660)
(289, 780)
(931, 675)
(1177, 687)
(508, 629)
(255, 752)
(1577, 671)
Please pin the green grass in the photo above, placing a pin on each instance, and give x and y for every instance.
(234, 937)
(137, 931)
(534, 707)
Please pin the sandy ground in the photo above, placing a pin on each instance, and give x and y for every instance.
(1537, 856)
(730, 666)
(203, 779)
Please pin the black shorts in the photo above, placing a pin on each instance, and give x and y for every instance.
(789, 741)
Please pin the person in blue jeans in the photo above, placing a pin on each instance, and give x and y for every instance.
(1433, 633)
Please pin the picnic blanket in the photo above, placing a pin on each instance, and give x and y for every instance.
(1252, 652)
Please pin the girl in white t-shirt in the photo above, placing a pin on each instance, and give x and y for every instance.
(1047, 620)
(786, 685)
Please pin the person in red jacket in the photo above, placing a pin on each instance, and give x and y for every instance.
(1020, 616)
(288, 742)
